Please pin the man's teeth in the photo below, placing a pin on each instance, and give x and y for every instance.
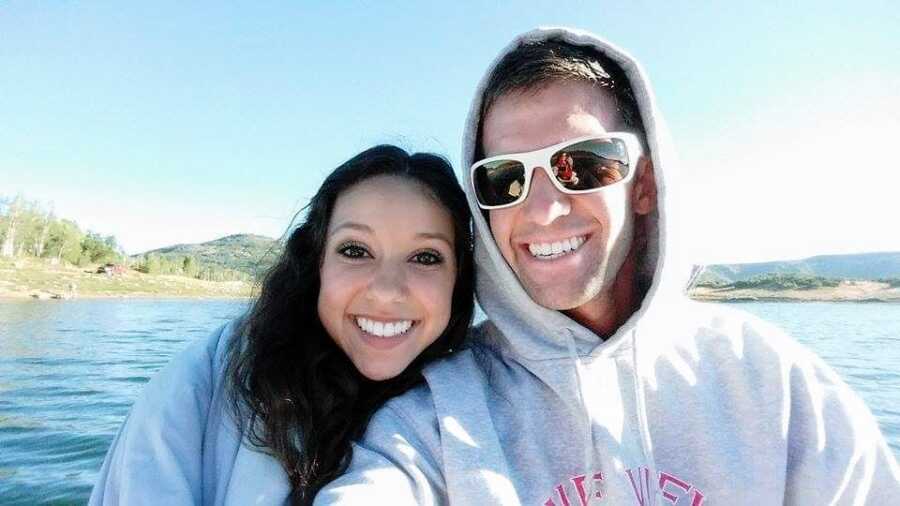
(383, 329)
(555, 249)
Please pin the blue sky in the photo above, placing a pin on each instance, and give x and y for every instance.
(166, 122)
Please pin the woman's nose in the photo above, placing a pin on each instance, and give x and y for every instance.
(388, 283)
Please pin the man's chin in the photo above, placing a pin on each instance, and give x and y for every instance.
(555, 297)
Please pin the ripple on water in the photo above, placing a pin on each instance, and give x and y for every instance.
(131, 379)
(47, 447)
(53, 361)
(169, 320)
(137, 332)
(69, 492)
(18, 424)
(56, 392)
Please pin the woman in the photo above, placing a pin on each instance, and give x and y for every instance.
(373, 285)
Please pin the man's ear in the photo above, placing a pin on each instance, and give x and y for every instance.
(644, 190)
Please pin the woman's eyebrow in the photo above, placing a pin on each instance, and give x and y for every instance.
(353, 226)
(367, 229)
(435, 235)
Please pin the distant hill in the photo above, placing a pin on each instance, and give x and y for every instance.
(247, 253)
(862, 266)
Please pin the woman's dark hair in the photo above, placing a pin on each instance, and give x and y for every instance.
(292, 389)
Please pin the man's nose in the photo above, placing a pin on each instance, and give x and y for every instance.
(544, 202)
(388, 283)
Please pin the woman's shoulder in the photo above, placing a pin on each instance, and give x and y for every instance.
(200, 365)
(190, 381)
(168, 431)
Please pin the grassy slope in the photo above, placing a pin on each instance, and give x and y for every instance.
(248, 253)
(26, 277)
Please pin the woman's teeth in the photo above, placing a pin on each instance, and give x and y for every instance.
(383, 329)
(549, 250)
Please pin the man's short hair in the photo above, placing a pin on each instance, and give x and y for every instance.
(535, 65)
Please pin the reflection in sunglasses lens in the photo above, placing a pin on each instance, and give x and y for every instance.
(499, 182)
(590, 164)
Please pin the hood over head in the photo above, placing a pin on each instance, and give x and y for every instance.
(535, 331)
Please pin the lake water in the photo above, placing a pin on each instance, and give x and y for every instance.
(69, 371)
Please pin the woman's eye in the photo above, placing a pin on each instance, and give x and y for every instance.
(428, 258)
(353, 251)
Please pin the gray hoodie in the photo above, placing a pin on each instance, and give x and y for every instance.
(685, 404)
(180, 445)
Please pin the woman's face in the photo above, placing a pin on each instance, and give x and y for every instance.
(388, 271)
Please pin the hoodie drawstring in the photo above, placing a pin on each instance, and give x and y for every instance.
(589, 432)
(640, 401)
(640, 406)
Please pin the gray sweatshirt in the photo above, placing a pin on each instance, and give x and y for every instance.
(180, 445)
(686, 404)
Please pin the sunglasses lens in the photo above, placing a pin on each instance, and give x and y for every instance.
(591, 164)
(499, 182)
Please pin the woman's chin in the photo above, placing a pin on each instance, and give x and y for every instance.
(380, 372)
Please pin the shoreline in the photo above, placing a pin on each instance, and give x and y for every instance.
(37, 279)
(775, 298)
(22, 296)
(722, 296)
(846, 291)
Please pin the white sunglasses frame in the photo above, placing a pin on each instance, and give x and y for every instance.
(541, 158)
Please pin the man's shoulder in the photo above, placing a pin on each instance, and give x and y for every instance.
(734, 322)
(411, 415)
(455, 368)
(708, 326)
(456, 372)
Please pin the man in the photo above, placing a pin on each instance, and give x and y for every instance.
(594, 379)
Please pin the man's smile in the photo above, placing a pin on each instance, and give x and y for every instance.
(555, 249)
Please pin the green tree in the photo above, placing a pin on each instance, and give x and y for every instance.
(45, 222)
(64, 241)
(190, 267)
(98, 249)
(154, 264)
(12, 210)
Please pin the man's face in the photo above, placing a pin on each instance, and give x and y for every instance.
(601, 221)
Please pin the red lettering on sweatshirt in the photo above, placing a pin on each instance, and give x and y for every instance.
(561, 492)
(643, 484)
(698, 498)
(673, 489)
(665, 479)
(681, 487)
(583, 495)
(578, 481)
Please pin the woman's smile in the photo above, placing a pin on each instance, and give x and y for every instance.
(381, 328)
